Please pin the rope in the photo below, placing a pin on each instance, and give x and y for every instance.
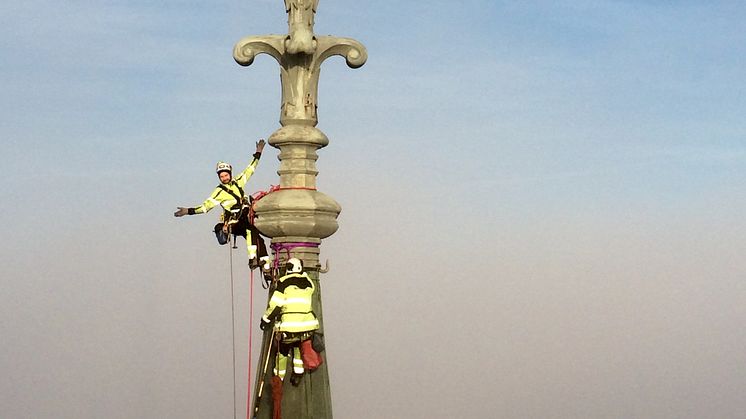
(233, 329)
(287, 247)
(256, 196)
(276, 248)
(233, 332)
(251, 323)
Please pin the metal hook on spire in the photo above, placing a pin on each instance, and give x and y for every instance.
(325, 269)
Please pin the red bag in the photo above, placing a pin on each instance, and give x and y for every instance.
(311, 359)
(276, 397)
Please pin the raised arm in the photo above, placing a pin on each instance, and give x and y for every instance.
(246, 174)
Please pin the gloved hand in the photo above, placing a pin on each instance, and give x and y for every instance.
(260, 145)
(181, 211)
(264, 325)
(266, 263)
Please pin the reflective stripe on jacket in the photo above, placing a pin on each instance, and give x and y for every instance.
(292, 302)
(223, 198)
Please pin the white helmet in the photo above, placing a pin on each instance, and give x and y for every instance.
(223, 167)
(293, 265)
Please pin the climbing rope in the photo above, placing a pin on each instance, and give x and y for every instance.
(277, 248)
(233, 327)
(251, 323)
(233, 332)
(256, 196)
(287, 247)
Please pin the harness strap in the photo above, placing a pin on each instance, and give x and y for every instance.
(232, 216)
(239, 199)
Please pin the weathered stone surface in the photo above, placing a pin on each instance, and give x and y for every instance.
(298, 213)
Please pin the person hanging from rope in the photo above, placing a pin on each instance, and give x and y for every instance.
(230, 195)
(290, 312)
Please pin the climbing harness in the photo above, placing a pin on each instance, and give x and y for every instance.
(233, 215)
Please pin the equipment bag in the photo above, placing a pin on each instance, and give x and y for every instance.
(317, 341)
(311, 359)
(276, 397)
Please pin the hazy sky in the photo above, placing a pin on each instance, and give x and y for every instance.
(542, 207)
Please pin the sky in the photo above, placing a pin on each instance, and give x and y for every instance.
(542, 207)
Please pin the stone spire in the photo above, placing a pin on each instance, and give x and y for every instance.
(298, 213)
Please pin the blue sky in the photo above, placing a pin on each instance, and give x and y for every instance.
(555, 189)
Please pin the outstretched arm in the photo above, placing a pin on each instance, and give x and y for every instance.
(209, 204)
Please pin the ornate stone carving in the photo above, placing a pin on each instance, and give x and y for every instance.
(298, 210)
(299, 72)
(300, 26)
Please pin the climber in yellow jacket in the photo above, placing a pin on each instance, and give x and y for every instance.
(230, 195)
(290, 310)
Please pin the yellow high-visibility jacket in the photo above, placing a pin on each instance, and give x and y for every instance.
(225, 199)
(292, 302)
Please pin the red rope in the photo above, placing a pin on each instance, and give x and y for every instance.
(256, 196)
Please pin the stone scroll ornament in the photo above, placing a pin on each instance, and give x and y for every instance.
(292, 214)
(300, 54)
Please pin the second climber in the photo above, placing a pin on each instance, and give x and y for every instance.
(290, 312)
